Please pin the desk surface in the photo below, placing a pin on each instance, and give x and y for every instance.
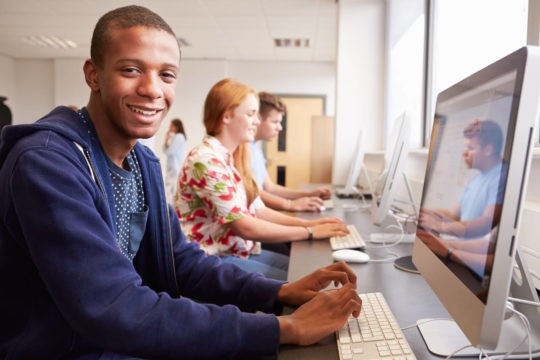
(407, 294)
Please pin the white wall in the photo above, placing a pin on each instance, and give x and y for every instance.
(7, 80)
(360, 80)
(196, 78)
(69, 85)
(34, 90)
(289, 78)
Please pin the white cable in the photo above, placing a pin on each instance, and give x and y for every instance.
(523, 301)
(394, 257)
(437, 319)
(527, 336)
(424, 322)
(386, 247)
(457, 351)
(399, 226)
(482, 352)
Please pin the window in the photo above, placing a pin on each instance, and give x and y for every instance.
(432, 44)
(466, 36)
(405, 53)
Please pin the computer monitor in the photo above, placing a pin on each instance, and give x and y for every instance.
(393, 173)
(350, 190)
(473, 266)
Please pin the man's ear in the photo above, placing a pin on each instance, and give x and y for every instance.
(91, 75)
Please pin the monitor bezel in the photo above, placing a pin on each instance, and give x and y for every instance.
(481, 322)
(355, 168)
(392, 174)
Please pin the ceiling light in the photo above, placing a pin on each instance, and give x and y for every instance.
(291, 43)
(49, 41)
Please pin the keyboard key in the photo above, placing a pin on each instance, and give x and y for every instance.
(351, 241)
(375, 334)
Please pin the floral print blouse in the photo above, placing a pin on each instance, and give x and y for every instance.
(210, 196)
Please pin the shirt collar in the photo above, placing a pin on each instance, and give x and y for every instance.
(218, 147)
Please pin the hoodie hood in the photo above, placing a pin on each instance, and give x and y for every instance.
(61, 120)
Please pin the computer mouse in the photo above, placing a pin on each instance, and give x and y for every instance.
(350, 256)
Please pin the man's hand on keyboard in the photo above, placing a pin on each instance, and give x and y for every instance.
(327, 312)
(306, 288)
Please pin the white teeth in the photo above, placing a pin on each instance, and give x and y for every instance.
(143, 112)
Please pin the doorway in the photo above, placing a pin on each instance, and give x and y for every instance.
(289, 156)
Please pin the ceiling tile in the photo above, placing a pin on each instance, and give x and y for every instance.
(215, 29)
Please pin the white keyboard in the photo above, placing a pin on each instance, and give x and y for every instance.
(374, 335)
(351, 241)
(390, 238)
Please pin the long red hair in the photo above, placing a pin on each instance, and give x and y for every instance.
(224, 97)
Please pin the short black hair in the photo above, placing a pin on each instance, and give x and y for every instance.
(124, 18)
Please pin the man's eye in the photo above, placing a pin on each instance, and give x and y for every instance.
(130, 70)
(169, 75)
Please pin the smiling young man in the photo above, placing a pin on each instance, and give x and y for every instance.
(93, 263)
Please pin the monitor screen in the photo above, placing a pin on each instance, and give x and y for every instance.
(350, 189)
(393, 173)
(473, 188)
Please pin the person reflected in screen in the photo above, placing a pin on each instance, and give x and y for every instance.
(479, 208)
(278, 197)
(93, 262)
(476, 253)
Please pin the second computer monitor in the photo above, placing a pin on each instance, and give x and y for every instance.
(351, 190)
(393, 172)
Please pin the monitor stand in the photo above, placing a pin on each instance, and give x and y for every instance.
(405, 263)
(342, 193)
(443, 337)
(354, 193)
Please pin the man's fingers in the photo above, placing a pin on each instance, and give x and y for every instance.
(351, 301)
(354, 307)
(338, 277)
(343, 267)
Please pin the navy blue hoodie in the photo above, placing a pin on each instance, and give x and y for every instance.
(68, 292)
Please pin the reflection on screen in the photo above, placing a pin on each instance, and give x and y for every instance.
(466, 178)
